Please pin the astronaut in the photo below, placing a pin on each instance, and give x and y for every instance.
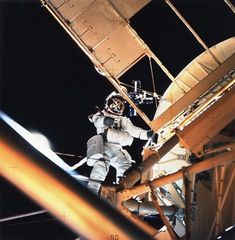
(114, 131)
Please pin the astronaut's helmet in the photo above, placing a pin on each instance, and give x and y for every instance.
(115, 103)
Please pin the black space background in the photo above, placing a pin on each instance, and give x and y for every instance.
(48, 84)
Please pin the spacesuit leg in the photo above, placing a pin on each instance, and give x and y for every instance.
(98, 173)
(121, 161)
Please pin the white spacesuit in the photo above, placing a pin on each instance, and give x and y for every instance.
(113, 132)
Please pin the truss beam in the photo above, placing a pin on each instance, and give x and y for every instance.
(210, 122)
(193, 169)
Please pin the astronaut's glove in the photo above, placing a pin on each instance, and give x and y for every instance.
(109, 121)
(154, 138)
(112, 122)
(117, 123)
(152, 135)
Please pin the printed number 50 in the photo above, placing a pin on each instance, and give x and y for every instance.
(114, 237)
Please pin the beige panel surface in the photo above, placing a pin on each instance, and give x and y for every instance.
(72, 8)
(120, 51)
(194, 72)
(171, 111)
(57, 3)
(199, 68)
(97, 22)
(128, 8)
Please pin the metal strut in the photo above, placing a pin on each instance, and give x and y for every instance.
(192, 31)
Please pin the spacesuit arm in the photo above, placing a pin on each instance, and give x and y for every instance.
(134, 131)
(99, 120)
(102, 121)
